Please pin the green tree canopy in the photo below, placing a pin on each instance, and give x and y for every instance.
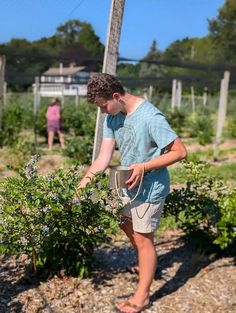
(223, 31)
(75, 31)
(149, 69)
(75, 41)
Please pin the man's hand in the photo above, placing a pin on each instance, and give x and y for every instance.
(136, 176)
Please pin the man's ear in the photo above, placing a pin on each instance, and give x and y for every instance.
(116, 96)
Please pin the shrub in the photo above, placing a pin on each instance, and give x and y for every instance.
(12, 125)
(231, 127)
(80, 149)
(201, 126)
(80, 120)
(177, 120)
(205, 210)
(43, 217)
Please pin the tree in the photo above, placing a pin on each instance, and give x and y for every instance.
(223, 31)
(199, 50)
(75, 41)
(75, 31)
(148, 69)
(193, 50)
(24, 61)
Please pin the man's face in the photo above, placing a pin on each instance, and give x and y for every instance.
(112, 106)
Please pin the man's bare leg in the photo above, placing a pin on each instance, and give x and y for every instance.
(147, 267)
(147, 261)
(127, 227)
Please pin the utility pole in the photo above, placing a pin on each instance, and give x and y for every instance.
(110, 60)
(2, 82)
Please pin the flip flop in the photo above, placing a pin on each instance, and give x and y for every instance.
(136, 308)
(132, 270)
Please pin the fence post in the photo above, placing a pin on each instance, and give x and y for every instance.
(36, 106)
(77, 97)
(173, 96)
(150, 92)
(109, 61)
(5, 94)
(193, 98)
(145, 94)
(2, 74)
(62, 96)
(221, 112)
(179, 93)
(205, 96)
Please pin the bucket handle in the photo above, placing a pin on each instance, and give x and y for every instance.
(139, 187)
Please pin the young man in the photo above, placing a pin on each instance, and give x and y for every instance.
(147, 145)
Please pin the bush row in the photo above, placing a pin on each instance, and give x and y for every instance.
(45, 217)
(79, 122)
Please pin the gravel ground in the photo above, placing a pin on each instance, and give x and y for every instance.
(184, 282)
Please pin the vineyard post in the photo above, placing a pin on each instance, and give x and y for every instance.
(36, 106)
(205, 96)
(62, 96)
(193, 99)
(110, 60)
(173, 97)
(2, 75)
(221, 112)
(150, 92)
(179, 93)
(77, 97)
(5, 94)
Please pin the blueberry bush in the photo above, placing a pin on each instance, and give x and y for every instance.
(44, 217)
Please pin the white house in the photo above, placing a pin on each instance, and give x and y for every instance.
(64, 81)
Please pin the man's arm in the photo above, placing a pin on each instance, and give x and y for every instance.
(174, 152)
(102, 161)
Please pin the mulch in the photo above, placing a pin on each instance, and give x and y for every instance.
(185, 282)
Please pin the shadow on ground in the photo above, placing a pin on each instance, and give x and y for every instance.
(176, 264)
(12, 284)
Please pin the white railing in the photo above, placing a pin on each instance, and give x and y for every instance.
(59, 90)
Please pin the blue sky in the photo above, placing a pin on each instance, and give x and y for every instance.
(143, 21)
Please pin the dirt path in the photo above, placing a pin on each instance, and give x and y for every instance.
(184, 283)
(227, 144)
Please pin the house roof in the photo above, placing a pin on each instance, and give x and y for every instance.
(64, 71)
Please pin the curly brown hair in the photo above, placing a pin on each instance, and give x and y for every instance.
(103, 85)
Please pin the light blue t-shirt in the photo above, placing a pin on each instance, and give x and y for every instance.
(140, 137)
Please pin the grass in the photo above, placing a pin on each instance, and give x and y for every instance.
(224, 171)
(208, 154)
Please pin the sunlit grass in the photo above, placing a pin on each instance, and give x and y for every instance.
(224, 171)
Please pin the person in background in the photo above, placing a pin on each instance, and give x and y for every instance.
(147, 145)
(53, 116)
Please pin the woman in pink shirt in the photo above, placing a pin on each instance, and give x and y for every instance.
(54, 123)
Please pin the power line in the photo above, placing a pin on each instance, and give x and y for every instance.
(74, 9)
